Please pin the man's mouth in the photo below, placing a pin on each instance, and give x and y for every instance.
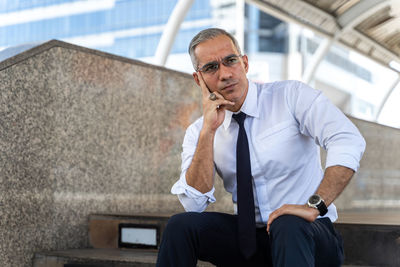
(229, 86)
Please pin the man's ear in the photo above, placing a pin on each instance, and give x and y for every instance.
(196, 78)
(245, 62)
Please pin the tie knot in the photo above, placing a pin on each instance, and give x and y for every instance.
(239, 117)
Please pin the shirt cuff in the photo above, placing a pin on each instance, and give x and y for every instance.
(191, 198)
(343, 156)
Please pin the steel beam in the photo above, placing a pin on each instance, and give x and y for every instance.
(347, 22)
(359, 12)
(170, 31)
(316, 59)
(385, 99)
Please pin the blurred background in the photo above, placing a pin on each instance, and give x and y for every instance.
(89, 140)
(278, 49)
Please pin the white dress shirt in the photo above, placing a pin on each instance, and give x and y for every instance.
(285, 123)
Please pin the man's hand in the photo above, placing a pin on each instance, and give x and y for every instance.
(302, 211)
(335, 180)
(213, 111)
(200, 173)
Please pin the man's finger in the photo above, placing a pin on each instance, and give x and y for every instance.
(275, 214)
(220, 102)
(219, 96)
(269, 224)
(204, 88)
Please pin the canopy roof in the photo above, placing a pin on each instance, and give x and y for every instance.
(371, 27)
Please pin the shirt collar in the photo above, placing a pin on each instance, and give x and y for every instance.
(250, 106)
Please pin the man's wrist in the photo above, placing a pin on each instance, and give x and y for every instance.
(207, 133)
(314, 211)
(315, 201)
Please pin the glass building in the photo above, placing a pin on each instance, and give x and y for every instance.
(123, 27)
(132, 28)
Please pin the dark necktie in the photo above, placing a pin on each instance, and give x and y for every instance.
(245, 198)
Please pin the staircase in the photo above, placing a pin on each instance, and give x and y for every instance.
(370, 239)
(112, 246)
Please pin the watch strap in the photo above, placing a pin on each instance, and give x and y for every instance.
(322, 208)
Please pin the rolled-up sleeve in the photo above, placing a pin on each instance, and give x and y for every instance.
(190, 198)
(319, 118)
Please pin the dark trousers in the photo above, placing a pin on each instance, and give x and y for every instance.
(211, 236)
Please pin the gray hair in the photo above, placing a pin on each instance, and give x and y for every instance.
(206, 35)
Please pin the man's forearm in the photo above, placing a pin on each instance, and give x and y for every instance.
(200, 173)
(335, 180)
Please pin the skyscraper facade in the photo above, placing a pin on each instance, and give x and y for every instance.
(130, 28)
(133, 28)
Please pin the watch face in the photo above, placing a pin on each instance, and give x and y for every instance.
(314, 199)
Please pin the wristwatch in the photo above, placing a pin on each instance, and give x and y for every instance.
(316, 202)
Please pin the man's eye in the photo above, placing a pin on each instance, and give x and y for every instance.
(231, 60)
(211, 67)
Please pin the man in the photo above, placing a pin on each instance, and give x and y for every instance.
(262, 140)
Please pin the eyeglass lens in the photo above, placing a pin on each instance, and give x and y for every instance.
(214, 66)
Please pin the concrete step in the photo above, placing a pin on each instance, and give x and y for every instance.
(370, 239)
(104, 229)
(107, 258)
(100, 258)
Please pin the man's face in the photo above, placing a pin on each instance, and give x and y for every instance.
(230, 81)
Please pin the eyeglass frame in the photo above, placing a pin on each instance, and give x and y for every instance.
(218, 62)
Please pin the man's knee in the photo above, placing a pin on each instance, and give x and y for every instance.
(289, 226)
(180, 223)
(291, 242)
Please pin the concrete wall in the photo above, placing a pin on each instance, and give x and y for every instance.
(86, 132)
(376, 187)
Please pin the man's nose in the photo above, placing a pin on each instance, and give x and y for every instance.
(224, 72)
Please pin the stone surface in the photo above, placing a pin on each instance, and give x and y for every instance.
(100, 258)
(370, 217)
(370, 238)
(104, 229)
(376, 185)
(371, 244)
(15, 50)
(85, 132)
(112, 258)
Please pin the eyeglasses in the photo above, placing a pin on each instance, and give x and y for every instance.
(212, 67)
